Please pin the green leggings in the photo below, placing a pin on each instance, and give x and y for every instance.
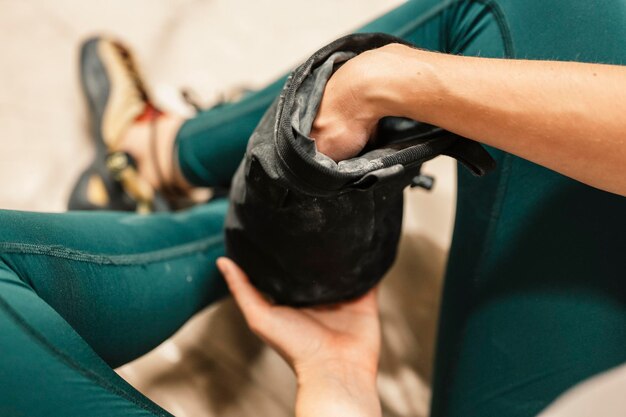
(535, 291)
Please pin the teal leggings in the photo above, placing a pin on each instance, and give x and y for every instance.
(535, 292)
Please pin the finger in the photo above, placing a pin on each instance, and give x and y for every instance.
(249, 300)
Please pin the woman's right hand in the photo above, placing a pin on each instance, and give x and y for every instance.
(356, 96)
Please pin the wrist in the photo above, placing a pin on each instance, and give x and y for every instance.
(408, 84)
(337, 391)
(359, 375)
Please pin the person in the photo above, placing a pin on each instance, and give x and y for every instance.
(534, 298)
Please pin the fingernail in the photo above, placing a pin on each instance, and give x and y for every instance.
(221, 264)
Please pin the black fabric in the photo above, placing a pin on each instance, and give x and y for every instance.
(311, 231)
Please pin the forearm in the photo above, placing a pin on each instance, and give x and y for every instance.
(350, 393)
(569, 117)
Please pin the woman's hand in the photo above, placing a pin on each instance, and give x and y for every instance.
(333, 350)
(357, 95)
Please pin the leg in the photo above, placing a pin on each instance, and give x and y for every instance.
(534, 297)
(211, 145)
(83, 292)
(124, 282)
(208, 148)
(49, 370)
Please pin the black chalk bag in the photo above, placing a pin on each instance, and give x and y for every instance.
(308, 230)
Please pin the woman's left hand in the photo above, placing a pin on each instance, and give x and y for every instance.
(346, 334)
(333, 350)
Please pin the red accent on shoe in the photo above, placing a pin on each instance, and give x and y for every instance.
(149, 113)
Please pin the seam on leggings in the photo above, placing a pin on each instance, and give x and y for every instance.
(42, 341)
(494, 9)
(507, 159)
(494, 215)
(159, 255)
